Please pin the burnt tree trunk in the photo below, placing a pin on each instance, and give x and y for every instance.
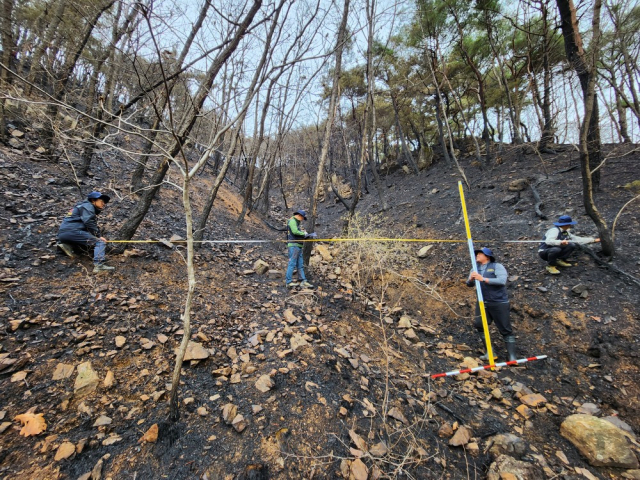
(577, 58)
(589, 130)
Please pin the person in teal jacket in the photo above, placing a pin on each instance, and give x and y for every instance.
(294, 235)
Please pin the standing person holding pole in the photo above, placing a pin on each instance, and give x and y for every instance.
(474, 268)
(492, 277)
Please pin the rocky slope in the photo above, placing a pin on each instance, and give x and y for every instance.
(331, 382)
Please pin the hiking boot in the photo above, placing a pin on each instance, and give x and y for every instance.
(67, 249)
(553, 270)
(292, 284)
(562, 263)
(100, 267)
(306, 284)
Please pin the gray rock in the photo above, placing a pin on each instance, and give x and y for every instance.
(297, 341)
(621, 425)
(506, 444)
(461, 437)
(589, 409)
(194, 351)
(518, 185)
(261, 267)
(86, 381)
(508, 467)
(404, 322)
(15, 143)
(601, 442)
(397, 414)
(275, 273)
(579, 289)
(411, 334)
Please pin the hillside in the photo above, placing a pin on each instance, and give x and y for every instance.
(331, 382)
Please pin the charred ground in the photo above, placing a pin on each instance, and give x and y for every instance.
(360, 387)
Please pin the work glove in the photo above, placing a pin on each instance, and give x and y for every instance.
(311, 235)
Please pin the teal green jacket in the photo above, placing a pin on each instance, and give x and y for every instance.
(294, 233)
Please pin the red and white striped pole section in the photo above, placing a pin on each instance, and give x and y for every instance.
(486, 367)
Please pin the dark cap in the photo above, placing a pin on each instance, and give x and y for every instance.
(301, 212)
(97, 196)
(487, 252)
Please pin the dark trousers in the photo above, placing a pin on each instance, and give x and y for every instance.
(562, 252)
(496, 312)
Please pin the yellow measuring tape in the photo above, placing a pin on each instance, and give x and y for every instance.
(364, 239)
(422, 240)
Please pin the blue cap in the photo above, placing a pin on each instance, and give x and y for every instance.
(563, 221)
(301, 212)
(487, 252)
(98, 195)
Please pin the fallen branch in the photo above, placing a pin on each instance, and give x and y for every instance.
(610, 266)
(567, 169)
(613, 228)
(339, 197)
(272, 227)
(461, 420)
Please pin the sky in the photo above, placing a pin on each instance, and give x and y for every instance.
(172, 21)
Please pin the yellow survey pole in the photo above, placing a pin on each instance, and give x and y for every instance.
(483, 313)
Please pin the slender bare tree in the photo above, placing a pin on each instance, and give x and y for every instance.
(589, 128)
(129, 227)
(578, 59)
(333, 100)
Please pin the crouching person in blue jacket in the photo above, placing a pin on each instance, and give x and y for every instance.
(80, 228)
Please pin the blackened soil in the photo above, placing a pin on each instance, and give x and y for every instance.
(358, 369)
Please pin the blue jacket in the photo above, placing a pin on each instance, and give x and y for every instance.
(82, 217)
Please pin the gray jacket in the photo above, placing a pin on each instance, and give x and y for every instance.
(495, 290)
(555, 236)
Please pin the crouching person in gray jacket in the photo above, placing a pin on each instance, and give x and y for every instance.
(80, 228)
(493, 283)
(559, 243)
